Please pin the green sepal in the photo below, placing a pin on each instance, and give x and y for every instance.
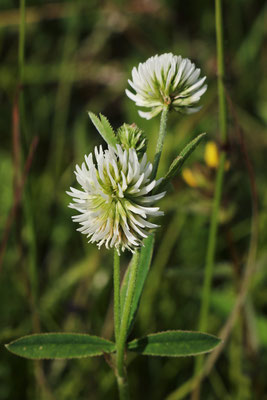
(144, 262)
(174, 344)
(178, 162)
(60, 345)
(104, 128)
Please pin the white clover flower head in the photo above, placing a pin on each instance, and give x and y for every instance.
(115, 200)
(166, 81)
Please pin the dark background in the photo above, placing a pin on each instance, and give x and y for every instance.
(78, 57)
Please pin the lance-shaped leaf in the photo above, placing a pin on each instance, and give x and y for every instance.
(174, 344)
(60, 345)
(104, 128)
(178, 162)
(144, 262)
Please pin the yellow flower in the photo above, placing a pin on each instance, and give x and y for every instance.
(211, 155)
(189, 177)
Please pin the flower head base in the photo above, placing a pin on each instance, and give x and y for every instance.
(130, 136)
(115, 201)
(166, 81)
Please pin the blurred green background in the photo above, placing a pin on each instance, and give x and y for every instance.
(78, 57)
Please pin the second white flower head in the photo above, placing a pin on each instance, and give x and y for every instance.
(166, 80)
(114, 202)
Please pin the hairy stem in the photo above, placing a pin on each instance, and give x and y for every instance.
(121, 326)
(162, 132)
(121, 370)
(117, 307)
(123, 386)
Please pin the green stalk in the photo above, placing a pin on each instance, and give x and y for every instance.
(162, 132)
(212, 238)
(123, 386)
(121, 370)
(117, 307)
(210, 255)
(121, 326)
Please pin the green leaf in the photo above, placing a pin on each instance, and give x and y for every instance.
(178, 162)
(143, 268)
(174, 344)
(60, 345)
(104, 128)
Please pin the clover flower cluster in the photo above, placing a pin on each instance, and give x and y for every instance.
(115, 200)
(166, 80)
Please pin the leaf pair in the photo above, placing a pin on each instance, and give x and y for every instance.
(76, 345)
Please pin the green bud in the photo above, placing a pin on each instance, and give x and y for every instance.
(130, 136)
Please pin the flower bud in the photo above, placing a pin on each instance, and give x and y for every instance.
(131, 137)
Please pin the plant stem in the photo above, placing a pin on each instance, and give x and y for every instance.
(162, 132)
(121, 371)
(210, 255)
(117, 307)
(121, 325)
(123, 386)
(211, 246)
(212, 238)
